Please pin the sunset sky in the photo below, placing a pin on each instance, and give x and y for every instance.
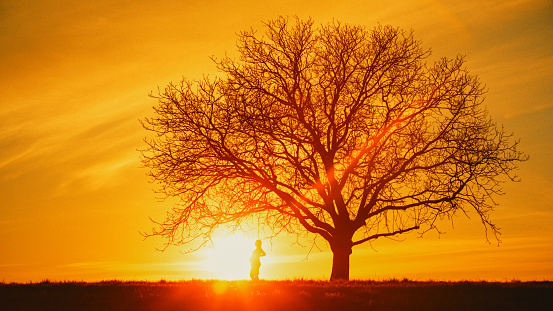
(74, 83)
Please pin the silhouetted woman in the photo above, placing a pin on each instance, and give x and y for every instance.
(255, 262)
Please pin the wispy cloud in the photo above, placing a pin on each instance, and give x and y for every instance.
(74, 80)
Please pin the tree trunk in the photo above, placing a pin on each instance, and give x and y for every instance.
(340, 263)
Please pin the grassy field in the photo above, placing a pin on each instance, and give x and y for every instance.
(277, 295)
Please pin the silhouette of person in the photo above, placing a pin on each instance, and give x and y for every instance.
(255, 262)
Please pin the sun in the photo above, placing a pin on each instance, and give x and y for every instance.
(229, 257)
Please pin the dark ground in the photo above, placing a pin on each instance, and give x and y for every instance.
(277, 295)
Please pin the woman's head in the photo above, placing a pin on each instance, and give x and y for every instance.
(258, 243)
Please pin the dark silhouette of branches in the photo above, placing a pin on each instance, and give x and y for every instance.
(340, 131)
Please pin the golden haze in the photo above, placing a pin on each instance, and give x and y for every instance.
(74, 83)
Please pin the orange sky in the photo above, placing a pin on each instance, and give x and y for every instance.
(74, 81)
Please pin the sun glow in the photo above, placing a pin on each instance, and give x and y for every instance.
(229, 257)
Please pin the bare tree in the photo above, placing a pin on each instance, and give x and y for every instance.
(339, 131)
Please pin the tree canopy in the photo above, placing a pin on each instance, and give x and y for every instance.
(338, 130)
